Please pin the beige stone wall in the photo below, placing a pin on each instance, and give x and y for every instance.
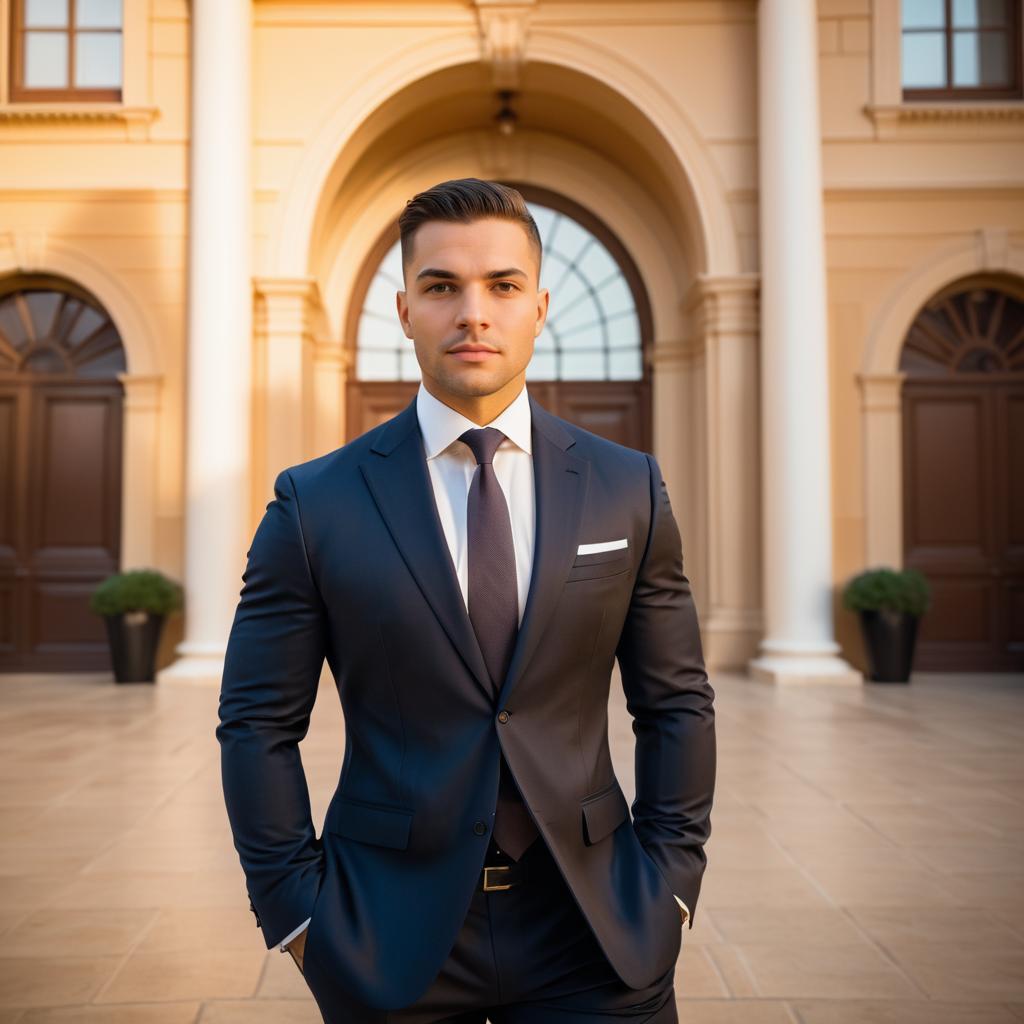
(645, 112)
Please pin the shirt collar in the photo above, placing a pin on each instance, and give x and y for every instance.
(441, 425)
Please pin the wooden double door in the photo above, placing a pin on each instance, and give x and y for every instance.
(60, 520)
(963, 500)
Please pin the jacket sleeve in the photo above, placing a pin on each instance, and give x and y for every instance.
(272, 666)
(672, 704)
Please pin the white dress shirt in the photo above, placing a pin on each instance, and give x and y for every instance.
(451, 465)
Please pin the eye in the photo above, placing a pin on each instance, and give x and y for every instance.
(440, 284)
(511, 287)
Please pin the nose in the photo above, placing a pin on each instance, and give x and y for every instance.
(470, 314)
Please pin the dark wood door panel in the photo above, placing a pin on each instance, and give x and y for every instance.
(61, 518)
(963, 441)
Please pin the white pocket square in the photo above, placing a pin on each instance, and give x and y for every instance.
(605, 545)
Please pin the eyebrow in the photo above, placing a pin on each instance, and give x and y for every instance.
(449, 276)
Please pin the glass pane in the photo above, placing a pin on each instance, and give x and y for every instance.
(410, 366)
(545, 340)
(46, 13)
(980, 58)
(541, 367)
(85, 327)
(98, 14)
(43, 360)
(596, 264)
(625, 365)
(981, 13)
(98, 59)
(924, 60)
(615, 296)
(46, 60)
(372, 365)
(624, 331)
(106, 365)
(12, 328)
(583, 366)
(42, 307)
(924, 14)
(379, 332)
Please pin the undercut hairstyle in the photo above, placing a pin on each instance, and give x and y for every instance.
(464, 200)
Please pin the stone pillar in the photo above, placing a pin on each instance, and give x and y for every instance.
(724, 321)
(217, 459)
(140, 458)
(285, 386)
(798, 645)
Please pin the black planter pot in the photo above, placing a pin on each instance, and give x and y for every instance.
(134, 637)
(889, 638)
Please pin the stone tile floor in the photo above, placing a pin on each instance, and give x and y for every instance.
(866, 862)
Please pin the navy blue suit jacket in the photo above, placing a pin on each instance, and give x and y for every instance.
(350, 563)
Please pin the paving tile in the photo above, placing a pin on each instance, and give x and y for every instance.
(201, 973)
(53, 980)
(900, 1012)
(131, 1013)
(61, 931)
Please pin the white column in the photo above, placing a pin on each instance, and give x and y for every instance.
(217, 477)
(799, 644)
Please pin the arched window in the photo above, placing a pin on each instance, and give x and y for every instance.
(592, 330)
(970, 328)
(50, 327)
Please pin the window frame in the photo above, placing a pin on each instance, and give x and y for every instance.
(19, 93)
(958, 93)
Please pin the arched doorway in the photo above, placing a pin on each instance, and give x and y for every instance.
(590, 362)
(60, 472)
(963, 481)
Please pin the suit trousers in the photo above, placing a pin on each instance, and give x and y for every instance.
(523, 955)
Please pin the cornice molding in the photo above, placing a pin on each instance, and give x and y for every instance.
(20, 112)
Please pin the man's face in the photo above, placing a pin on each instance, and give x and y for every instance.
(471, 305)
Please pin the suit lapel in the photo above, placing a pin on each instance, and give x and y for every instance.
(400, 484)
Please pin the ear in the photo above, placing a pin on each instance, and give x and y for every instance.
(402, 302)
(543, 298)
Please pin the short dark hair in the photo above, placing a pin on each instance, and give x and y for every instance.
(464, 200)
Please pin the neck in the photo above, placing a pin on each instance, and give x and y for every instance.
(480, 409)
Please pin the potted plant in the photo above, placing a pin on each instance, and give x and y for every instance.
(890, 603)
(135, 604)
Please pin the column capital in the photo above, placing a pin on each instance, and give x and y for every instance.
(291, 305)
(723, 303)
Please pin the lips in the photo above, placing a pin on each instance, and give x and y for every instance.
(472, 353)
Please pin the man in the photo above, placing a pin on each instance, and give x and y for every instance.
(471, 569)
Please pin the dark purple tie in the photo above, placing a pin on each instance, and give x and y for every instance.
(494, 611)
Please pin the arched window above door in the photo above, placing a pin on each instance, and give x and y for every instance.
(969, 328)
(53, 328)
(592, 331)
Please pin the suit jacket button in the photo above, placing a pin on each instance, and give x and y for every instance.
(503, 717)
(480, 828)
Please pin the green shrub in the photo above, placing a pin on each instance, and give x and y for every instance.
(136, 590)
(903, 590)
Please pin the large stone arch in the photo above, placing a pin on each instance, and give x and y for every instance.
(990, 250)
(656, 116)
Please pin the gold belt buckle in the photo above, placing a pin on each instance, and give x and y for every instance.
(494, 887)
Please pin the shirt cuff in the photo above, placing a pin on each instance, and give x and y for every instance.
(685, 907)
(288, 938)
